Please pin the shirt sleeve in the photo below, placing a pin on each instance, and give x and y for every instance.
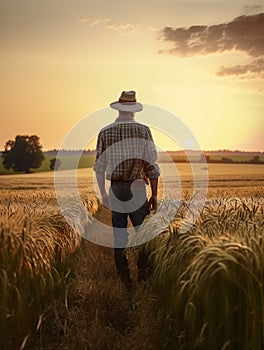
(100, 161)
(151, 168)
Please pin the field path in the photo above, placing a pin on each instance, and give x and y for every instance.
(97, 313)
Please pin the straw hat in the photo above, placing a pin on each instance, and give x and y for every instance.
(127, 102)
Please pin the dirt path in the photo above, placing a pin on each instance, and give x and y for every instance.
(97, 313)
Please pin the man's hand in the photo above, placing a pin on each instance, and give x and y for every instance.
(153, 203)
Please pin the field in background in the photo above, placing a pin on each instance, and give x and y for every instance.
(236, 179)
(213, 156)
(221, 257)
(87, 159)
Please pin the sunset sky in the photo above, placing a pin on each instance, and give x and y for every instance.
(202, 60)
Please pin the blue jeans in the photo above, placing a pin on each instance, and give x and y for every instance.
(127, 200)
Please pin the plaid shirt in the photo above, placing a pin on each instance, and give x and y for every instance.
(125, 151)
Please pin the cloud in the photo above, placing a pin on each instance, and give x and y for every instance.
(91, 22)
(250, 9)
(254, 69)
(153, 29)
(94, 22)
(243, 34)
(111, 24)
(118, 26)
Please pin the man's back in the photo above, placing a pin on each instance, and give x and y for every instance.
(125, 150)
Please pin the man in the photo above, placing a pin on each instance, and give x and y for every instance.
(126, 155)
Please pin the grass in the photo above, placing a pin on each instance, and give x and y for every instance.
(37, 246)
(59, 291)
(86, 161)
(235, 158)
(209, 280)
(98, 313)
(206, 291)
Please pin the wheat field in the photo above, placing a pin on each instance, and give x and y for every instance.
(37, 247)
(207, 281)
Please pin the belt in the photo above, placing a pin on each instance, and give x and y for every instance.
(127, 181)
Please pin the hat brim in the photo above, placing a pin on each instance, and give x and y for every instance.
(137, 107)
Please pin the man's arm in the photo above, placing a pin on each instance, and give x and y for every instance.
(151, 169)
(153, 201)
(100, 168)
(100, 178)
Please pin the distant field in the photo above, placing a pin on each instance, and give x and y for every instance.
(85, 162)
(235, 158)
(238, 158)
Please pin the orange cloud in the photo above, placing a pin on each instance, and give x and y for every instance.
(111, 24)
(243, 34)
(255, 69)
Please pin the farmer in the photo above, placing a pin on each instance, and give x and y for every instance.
(126, 156)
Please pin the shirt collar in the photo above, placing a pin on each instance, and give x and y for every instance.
(125, 120)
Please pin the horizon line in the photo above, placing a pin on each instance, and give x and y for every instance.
(166, 151)
(181, 150)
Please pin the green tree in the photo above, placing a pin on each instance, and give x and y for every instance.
(54, 164)
(226, 160)
(255, 159)
(23, 154)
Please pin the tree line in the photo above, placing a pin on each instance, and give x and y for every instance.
(25, 153)
(254, 160)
